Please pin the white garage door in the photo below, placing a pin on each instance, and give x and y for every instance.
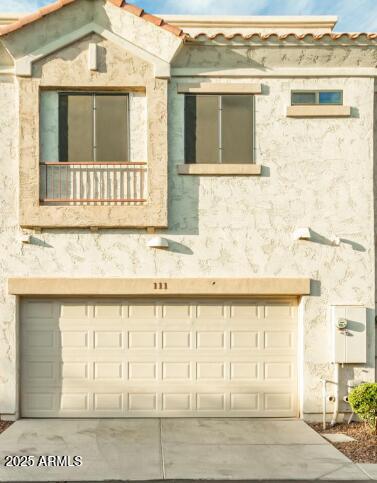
(130, 358)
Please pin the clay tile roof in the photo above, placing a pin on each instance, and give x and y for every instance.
(159, 22)
(128, 7)
(267, 36)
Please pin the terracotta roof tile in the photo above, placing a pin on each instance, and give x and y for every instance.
(329, 35)
(52, 7)
(117, 3)
(135, 10)
(159, 22)
(5, 29)
(173, 29)
(139, 12)
(128, 7)
(152, 19)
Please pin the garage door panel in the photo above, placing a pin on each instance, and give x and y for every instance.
(142, 371)
(210, 339)
(245, 312)
(245, 371)
(35, 309)
(38, 339)
(176, 339)
(147, 311)
(146, 339)
(177, 371)
(103, 358)
(211, 311)
(74, 310)
(75, 339)
(47, 371)
(109, 402)
(108, 310)
(136, 402)
(75, 370)
(279, 310)
(245, 339)
(108, 339)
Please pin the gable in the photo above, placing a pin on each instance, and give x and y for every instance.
(116, 66)
(47, 34)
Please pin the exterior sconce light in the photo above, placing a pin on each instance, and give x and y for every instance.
(301, 234)
(24, 238)
(158, 242)
(335, 240)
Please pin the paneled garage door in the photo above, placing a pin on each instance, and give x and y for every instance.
(130, 358)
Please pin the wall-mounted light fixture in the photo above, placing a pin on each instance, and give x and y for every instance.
(301, 233)
(335, 240)
(25, 238)
(158, 242)
(92, 57)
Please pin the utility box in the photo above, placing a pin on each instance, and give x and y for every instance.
(349, 332)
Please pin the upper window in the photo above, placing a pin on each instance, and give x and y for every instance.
(309, 98)
(219, 128)
(93, 127)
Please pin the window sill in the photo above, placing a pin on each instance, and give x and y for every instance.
(319, 111)
(216, 88)
(220, 169)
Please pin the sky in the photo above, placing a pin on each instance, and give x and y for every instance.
(354, 15)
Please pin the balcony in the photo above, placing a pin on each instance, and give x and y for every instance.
(93, 183)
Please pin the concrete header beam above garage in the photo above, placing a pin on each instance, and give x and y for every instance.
(158, 286)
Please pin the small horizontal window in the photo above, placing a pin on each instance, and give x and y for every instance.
(309, 98)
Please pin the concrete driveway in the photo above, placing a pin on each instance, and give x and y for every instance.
(154, 449)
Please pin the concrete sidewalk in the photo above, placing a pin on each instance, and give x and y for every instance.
(154, 449)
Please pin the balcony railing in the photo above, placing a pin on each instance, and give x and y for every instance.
(93, 183)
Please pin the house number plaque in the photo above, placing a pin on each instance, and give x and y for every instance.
(160, 286)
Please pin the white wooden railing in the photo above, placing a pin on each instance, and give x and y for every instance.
(93, 183)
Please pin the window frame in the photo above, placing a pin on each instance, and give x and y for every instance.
(63, 146)
(220, 123)
(317, 93)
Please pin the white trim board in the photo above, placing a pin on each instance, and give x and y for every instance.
(284, 72)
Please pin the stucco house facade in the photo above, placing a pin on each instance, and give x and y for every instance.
(187, 213)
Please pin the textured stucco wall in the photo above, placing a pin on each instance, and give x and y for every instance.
(259, 56)
(316, 172)
(8, 233)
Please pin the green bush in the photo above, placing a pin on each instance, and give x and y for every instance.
(363, 400)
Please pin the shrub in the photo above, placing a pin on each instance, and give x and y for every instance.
(363, 400)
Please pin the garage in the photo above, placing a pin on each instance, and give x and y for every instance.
(158, 357)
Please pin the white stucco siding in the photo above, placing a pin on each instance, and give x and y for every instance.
(259, 56)
(316, 172)
(8, 233)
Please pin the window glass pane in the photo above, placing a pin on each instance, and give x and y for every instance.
(330, 97)
(111, 119)
(202, 129)
(76, 127)
(237, 129)
(303, 98)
